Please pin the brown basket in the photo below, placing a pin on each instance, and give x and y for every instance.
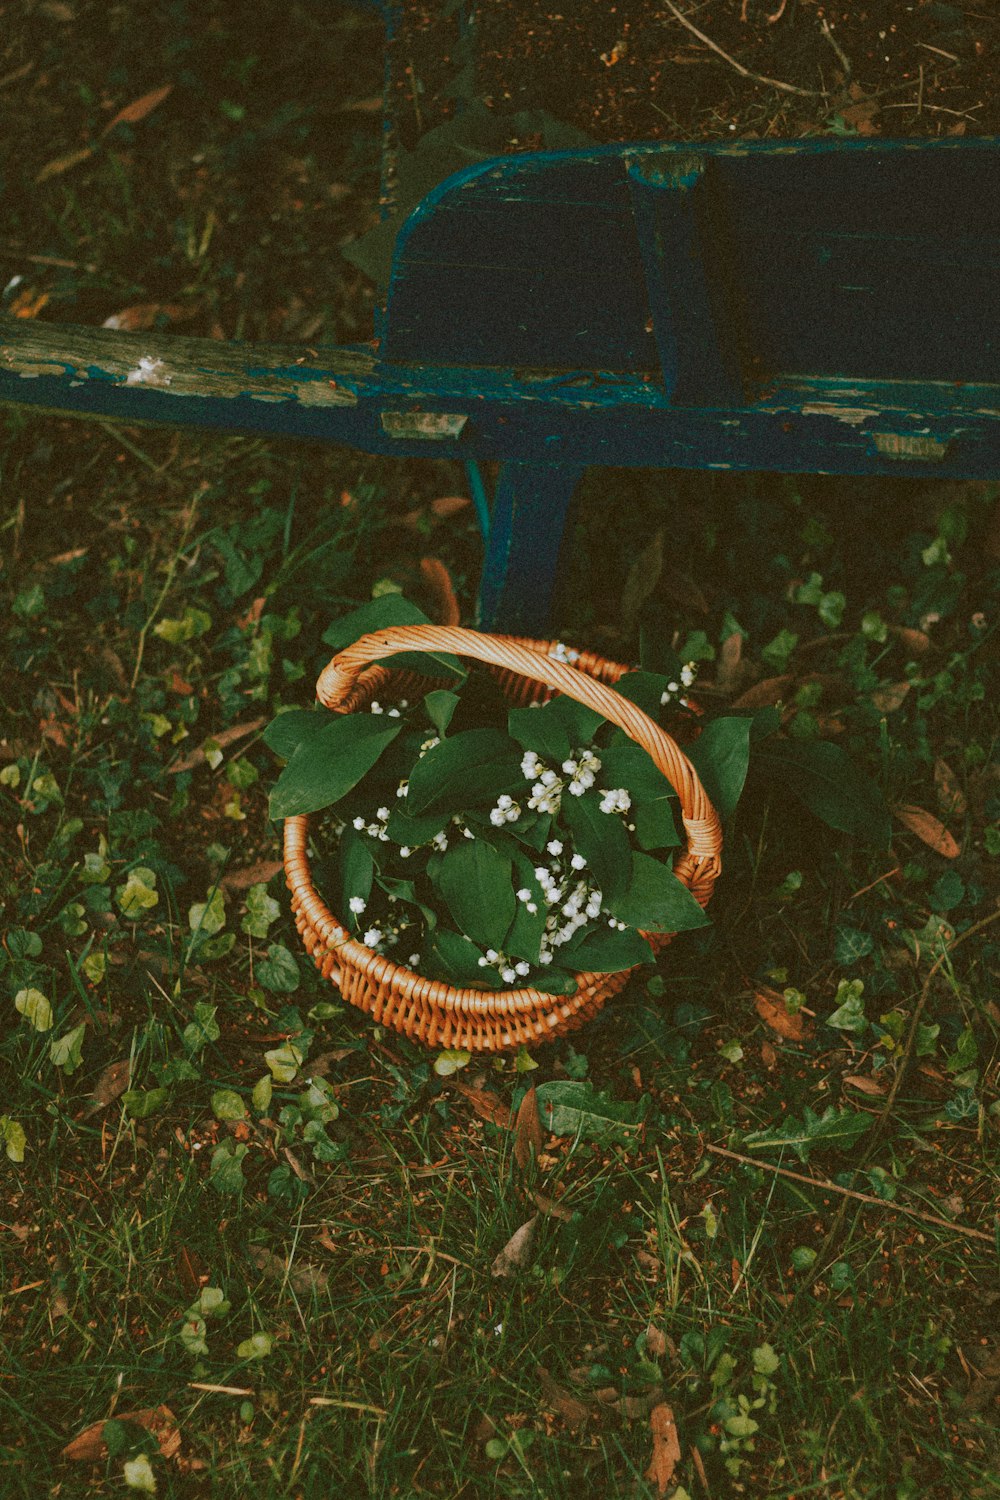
(429, 1010)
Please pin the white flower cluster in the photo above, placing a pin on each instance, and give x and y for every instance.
(428, 744)
(559, 652)
(506, 811)
(547, 794)
(614, 801)
(375, 707)
(509, 969)
(570, 897)
(376, 829)
(688, 673)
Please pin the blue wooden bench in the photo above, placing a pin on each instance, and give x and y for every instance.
(816, 306)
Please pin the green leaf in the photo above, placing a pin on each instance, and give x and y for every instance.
(838, 1128)
(261, 1096)
(440, 706)
(624, 763)
(262, 911)
(138, 1474)
(138, 893)
(655, 824)
(66, 1052)
(457, 960)
(35, 1008)
(411, 832)
(284, 1062)
(141, 1103)
(14, 1139)
(95, 869)
(192, 624)
(203, 1029)
(226, 1173)
(606, 950)
(524, 937)
(475, 880)
(824, 777)
(227, 1105)
(278, 972)
(208, 917)
(331, 762)
(466, 770)
(577, 1109)
(851, 945)
(447, 1063)
(656, 901)
(380, 614)
(580, 722)
(721, 755)
(356, 869)
(644, 689)
(542, 730)
(257, 1346)
(293, 728)
(602, 840)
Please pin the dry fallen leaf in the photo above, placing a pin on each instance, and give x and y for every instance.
(301, 1278)
(551, 1207)
(766, 693)
(656, 1341)
(145, 315)
(727, 674)
(111, 1084)
(486, 1104)
(915, 641)
(863, 1084)
(516, 1254)
(559, 1399)
(222, 739)
(139, 108)
(666, 1447)
(60, 164)
(889, 696)
(951, 798)
(444, 608)
(768, 1056)
(774, 1012)
(89, 1446)
(929, 829)
(259, 874)
(528, 1136)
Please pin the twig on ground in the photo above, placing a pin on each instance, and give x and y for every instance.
(845, 61)
(773, 83)
(833, 1187)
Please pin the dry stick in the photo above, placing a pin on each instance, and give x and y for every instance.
(833, 1187)
(774, 83)
(845, 61)
(171, 570)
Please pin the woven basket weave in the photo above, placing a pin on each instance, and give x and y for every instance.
(429, 1010)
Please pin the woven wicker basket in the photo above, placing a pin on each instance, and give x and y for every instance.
(429, 1010)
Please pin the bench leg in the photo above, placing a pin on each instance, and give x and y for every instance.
(526, 527)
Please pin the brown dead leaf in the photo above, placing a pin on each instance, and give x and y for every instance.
(951, 798)
(917, 642)
(139, 108)
(487, 1105)
(301, 1278)
(656, 1341)
(89, 1446)
(112, 1083)
(774, 1012)
(889, 696)
(148, 315)
(60, 164)
(560, 1400)
(516, 1254)
(259, 874)
(666, 1447)
(224, 738)
(551, 1207)
(528, 1136)
(862, 1084)
(764, 694)
(444, 608)
(862, 115)
(768, 1056)
(929, 829)
(439, 509)
(727, 674)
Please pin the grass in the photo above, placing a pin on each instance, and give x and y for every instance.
(820, 1320)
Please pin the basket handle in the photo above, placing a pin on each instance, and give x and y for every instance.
(350, 680)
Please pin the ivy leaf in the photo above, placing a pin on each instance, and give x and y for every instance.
(721, 755)
(464, 771)
(852, 945)
(138, 893)
(203, 1029)
(578, 1109)
(656, 901)
(208, 917)
(278, 972)
(602, 840)
(447, 1063)
(227, 1105)
(840, 1128)
(226, 1174)
(284, 1062)
(262, 911)
(141, 1103)
(475, 880)
(13, 1137)
(327, 765)
(66, 1052)
(824, 777)
(257, 1346)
